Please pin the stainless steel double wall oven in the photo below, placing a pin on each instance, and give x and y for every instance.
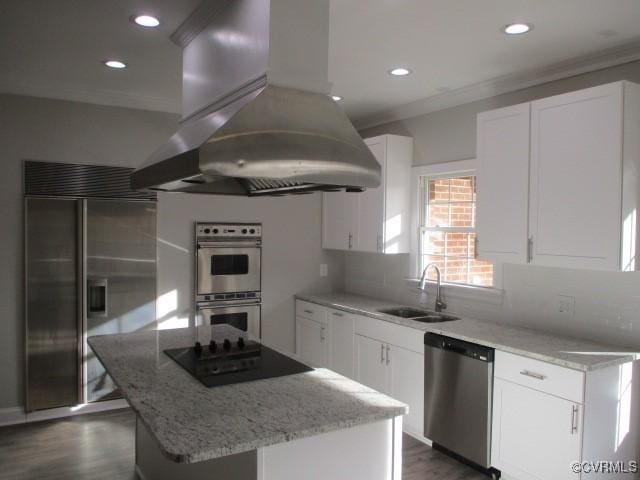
(228, 275)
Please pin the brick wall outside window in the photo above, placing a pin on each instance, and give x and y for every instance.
(448, 233)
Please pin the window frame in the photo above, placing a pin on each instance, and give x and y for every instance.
(458, 168)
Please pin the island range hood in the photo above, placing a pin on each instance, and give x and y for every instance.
(257, 115)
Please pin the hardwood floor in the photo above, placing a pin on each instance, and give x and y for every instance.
(100, 446)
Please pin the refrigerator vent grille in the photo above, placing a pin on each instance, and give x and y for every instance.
(54, 179)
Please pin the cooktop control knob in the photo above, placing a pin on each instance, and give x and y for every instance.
(244, 230)
(226, 345)
(197, 349)
(206, 230)
(213, 346)
(215, 230)
(240, 343)
(253, 230)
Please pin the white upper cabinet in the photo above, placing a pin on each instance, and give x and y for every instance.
(377, 220)
(502, 180)
(575, 167)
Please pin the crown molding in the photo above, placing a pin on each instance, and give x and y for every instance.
(83, 94)
(505, 84)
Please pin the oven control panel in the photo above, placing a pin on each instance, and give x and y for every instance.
(212, 231)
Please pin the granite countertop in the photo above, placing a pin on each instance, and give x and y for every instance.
(193, 423)
(568, 352)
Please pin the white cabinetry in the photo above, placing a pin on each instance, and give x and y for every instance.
(377, 220)
(342, 339)
(312, 344)
(576, 167)
(390, 359)
(546, 417)
(502, 179)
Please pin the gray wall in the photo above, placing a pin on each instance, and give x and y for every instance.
(32, 128)
(606, 302)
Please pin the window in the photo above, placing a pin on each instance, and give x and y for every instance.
(447, 230)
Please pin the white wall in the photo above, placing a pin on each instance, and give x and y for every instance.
(32, 128)
(606, 303)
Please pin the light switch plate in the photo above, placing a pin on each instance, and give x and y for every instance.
(324, 269)
(566, 305)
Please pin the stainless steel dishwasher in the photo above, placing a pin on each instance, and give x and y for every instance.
(458, 385)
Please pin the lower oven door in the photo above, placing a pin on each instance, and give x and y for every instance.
(228, 269)
(242, 317)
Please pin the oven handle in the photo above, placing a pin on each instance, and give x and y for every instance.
(227, 305)
(235, 244)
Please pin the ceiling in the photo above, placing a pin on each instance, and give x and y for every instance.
(54, 48)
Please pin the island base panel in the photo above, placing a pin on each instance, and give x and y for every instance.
(366, 452)
(151, 464)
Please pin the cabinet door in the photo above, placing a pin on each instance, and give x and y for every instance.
(339, 220)
(535, 436)
(407, 385)
(371, 368)
(576, 178)
(312, 342)
(503, 183)
(341, 344)
(371, 215)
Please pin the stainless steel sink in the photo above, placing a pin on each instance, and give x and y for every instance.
(404, 312)
(423, 316)
(435, 318)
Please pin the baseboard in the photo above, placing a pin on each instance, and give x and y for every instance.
(16, 415)
(417, 436)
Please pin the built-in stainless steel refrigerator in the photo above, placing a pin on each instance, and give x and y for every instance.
(90, 269)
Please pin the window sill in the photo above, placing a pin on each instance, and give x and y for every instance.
(489, 295)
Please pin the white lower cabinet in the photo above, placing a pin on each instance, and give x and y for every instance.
(396, 371)
(312, 342)
(371, 368)
(535, 435)
(341, 342)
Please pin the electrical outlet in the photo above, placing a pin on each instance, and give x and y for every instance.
(566, 305)
(324, 269)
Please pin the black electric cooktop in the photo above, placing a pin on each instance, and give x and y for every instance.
(229, 362)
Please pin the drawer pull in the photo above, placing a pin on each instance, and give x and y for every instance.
(310, 312)
(337, 314)
(537, 376)
(382, 353)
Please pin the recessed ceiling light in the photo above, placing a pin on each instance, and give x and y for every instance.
(517, 28)
(336, 98)
(115, 64)
(399, 71)
(146, 21)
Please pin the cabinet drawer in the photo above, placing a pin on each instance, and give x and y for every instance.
(542, 376)
(312, 311)
(391, 333)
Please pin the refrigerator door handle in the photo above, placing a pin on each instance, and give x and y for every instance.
(97, 294)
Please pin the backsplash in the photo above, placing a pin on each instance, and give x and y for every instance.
(596, 305)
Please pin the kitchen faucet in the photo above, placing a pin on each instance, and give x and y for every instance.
(440, 305)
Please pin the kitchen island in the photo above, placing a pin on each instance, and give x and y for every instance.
(309, 425)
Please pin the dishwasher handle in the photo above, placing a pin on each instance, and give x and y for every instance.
(460, 347)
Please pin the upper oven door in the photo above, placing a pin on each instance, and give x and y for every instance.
(228, 269)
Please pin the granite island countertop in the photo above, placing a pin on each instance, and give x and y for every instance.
(193, 423)
(565, 351)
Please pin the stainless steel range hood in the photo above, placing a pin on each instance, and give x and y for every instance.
(257, 118)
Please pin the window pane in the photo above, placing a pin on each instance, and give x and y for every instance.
(462, 189)
(457, 245)
(433, 243)
(462, 214)
(439, 190)
(438, 215)
(438, 260)
(481, 273)
(456, 269)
